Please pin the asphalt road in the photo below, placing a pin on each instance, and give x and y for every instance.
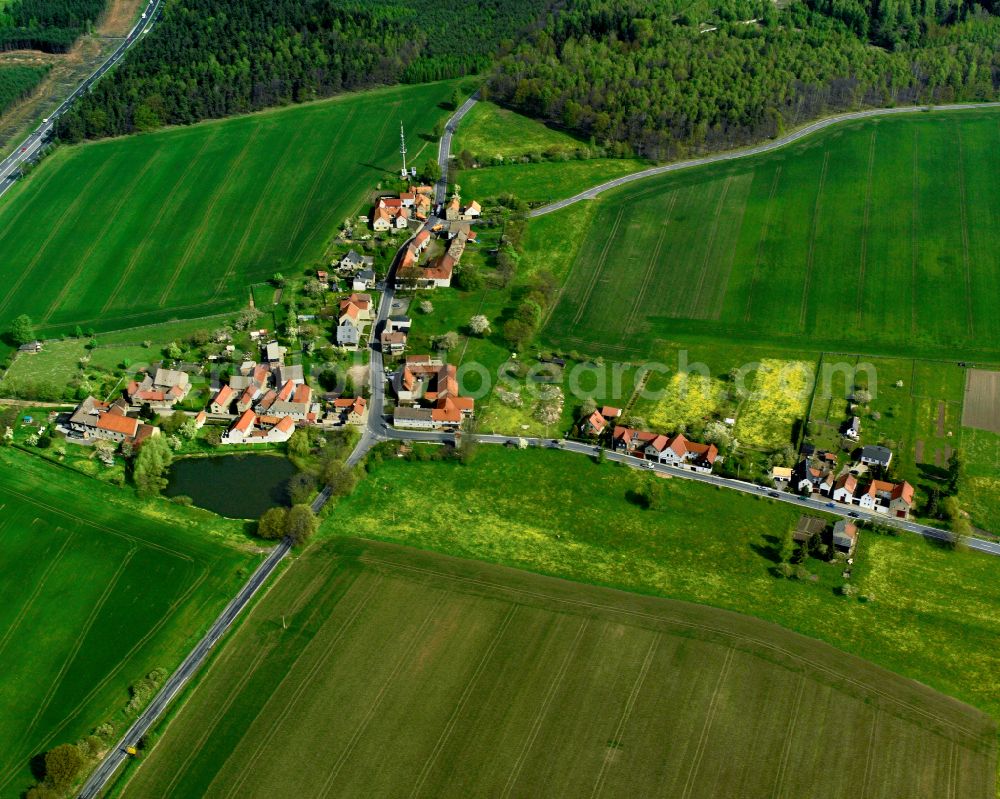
(444, 147)
(183, 674)
(775, 144)
(10, 167)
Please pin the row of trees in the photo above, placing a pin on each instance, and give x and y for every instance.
(671, 84)
(214, 58)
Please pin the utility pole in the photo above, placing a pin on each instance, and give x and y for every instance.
(402, 148)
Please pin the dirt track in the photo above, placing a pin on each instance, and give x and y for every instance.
(982, 400)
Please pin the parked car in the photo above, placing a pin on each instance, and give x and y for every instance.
(773, 494)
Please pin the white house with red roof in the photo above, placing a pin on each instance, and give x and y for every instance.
(677, 451)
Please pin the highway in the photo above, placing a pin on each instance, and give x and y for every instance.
(183, 674)
(767, 147)
(10, 167)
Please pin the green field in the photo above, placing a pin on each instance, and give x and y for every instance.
(374, 670)
(178, 224)
(930, 613)
(878, 236)
(545, 181)
(93, 598)
(489, 131)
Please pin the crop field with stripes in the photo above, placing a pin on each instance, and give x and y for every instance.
(177, 224)
(880, 235)
(374, 670)
(91, 600)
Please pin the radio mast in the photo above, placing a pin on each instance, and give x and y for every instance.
(402, 148)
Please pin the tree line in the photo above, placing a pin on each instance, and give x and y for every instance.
(213, 58)
(49, 25)
(667, 82)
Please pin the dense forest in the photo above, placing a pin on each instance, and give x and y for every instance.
(17, 83)
(49, 25)
(666, 80)
(212, 58)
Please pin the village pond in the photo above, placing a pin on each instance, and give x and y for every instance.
(235, 486)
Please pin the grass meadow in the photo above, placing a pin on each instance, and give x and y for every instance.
(876, 237)
(375, 670)
(488, 131)
(544, 181)
(93, 598)
(179, 223)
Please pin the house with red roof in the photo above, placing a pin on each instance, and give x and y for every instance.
(677, 451)
(222, 401)
(594, 425)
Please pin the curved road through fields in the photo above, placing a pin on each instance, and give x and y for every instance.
(10, 167)
(767, 147)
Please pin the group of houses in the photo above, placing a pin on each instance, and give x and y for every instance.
(677, 451)
(437, 271)
(395, 212)
(427, 396)
(359, 268)
(818, 474)
(161, 391)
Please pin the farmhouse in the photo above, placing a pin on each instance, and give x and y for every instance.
(98, 420)
(161, 391)
(389, 213)
(808, 477)
(893, 499)
(425, 379)
(31, 348)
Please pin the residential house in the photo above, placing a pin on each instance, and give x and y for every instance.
(845, 488)
(781, 476)
(353, 262)
(471, 212)
(876, 456)
(274, 353)
(453, 210)
(253, 429)
(348, 334)
(246, 400)
(810, 476)
(351, 410)
(381, 220)
(393, 342)
(365, 279)
(221, 402)
(852, 429)
(200, 419)
(160, 391)
(296, 402)
(893, 499)
(845, 536)
(609, 411)
(594, 425)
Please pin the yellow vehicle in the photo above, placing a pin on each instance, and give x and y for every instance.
(131, 750)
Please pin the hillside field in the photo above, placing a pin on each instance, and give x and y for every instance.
(874, 236)
(393, 672)
(177, 224)
(92, 599)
